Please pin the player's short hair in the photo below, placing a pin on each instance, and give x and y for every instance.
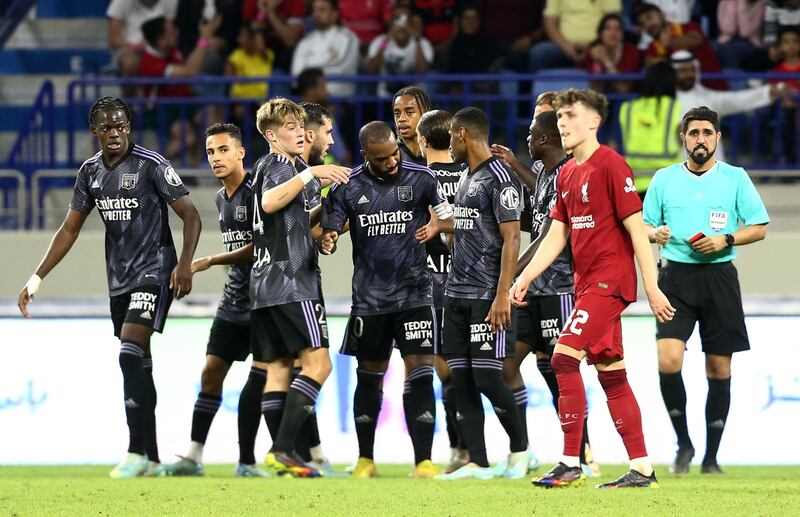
(589, 98)
(315, 113)
(375, 132)
(435, 127)
(700, 113)
(225, 128)
(153, 29)
(546, 123)
(473, 120)
(420, 95)
(110, 104)
(545, 98)
(274, 113)
(307, 80)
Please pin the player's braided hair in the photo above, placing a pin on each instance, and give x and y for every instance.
(110, 104)
(420, 95)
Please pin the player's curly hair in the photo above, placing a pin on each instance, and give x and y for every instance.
(273, 114)
(589, 98)
(420, 95)
(110, 104)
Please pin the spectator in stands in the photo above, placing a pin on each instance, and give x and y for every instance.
(789, 48)
(189, 15)
(513, 26)
(777, 15)
(329, 46)
(611, 54)
(251, 59)
(692, 93)
(569, 25)
(283, 22)
(740, 23)
(368, 19)
(668, 37)
(311, 86)
(676, 11)
(470, 51)
(439, 19)
(403, 50)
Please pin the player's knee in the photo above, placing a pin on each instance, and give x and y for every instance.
(487, 378)
(318, 368)
(212, 377)
(668, 363)
(718, 369)
(563, 363)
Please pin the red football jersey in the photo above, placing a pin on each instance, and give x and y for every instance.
(593, 199)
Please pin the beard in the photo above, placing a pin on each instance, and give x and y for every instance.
(687, 83)
(701, 159)
(383, 174)
(315, 157)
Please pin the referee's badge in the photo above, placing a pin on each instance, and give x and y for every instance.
(405, 193)
(129, 181)
(717, 220)
(240, 214)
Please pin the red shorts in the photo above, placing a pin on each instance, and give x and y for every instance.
(595, 326)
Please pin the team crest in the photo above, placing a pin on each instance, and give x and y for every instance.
(717, 220)
(473, 189)
(240, 214)
(129, 181)
(405, 193)
(585, 192)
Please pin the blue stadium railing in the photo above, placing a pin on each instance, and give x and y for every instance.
(506, 97)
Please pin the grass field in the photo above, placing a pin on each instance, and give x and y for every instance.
(86, 490)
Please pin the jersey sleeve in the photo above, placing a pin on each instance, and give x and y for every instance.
(168, 183)
(653, 208)
(621, 190)
(277, 174)
(334, 210)
(81, 195)
(749, 206)
(506, 200)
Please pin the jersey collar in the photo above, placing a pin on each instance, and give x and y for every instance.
(131, 145)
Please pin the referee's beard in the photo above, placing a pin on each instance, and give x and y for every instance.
(701, 159)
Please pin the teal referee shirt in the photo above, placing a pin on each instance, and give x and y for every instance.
(713, 203)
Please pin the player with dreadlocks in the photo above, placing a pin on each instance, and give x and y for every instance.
(408, 106)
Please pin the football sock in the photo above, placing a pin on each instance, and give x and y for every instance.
(308, 435)
(488, 376)
(449, 403)
(205, 408)
(300, 402)
(419, 404)
(250, 414)
(717, 406)
(366, 407)
(130, 362)
(674, 394)
(470, 410)
(149, 412)
(272, 403)
(549, 376)
(571, 402)
(521, 398)
(624, 411)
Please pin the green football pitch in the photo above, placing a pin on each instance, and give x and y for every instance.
(86, 490)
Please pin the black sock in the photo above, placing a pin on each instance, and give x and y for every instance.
(470, 411)
(419, 406)
(301, 443)
(308, 437)
(489, 381)
(272, 404)
(549, 376)
(300, 402)
(130, 362)
(366, 407)
(674, 394)
(717, 406)
(521, 399)
(250, 414)
(449, 402)
(205, 408)
(149, 412)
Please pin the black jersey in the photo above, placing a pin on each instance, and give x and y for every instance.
(407, 156)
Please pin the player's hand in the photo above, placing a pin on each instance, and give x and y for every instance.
(430, 230)
(709, 245)
(518, 290)
(335, 173)
(660, 305)
(661, 235)
(201, 264)
(181, 280)
(327, 243)
(503, 153)
(24, 300)
(499, 316)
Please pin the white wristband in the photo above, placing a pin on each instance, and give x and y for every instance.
(306, 176)
(33, 284)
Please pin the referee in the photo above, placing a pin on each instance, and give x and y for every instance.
(693, 210)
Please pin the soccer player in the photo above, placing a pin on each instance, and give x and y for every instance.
(288, 312)
(229, 339)
(386, 201)
(408, 105)
(693, 209)
(132, 188)
(479, 322)
(598, 210)
(433, 138)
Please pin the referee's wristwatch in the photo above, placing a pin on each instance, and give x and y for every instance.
(729, 240)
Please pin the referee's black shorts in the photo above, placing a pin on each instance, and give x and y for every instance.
(708, 294)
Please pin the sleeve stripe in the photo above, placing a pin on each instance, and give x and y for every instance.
(146, 153)
(500, 172)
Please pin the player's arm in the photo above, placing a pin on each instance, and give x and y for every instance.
(659, 303)
(548, 251)
(62, 242)
(242, 256)
(716, 243)
(499, 316)
(181, 279)
(530, 251)
(276, 198)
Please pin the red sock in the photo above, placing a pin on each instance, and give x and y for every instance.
(571, 401)
(624, 411)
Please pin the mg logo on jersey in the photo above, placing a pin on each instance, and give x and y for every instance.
(405, 193)
(129, 181)
(240, 214)
(172, 177)
(509, 198)
(585, 192)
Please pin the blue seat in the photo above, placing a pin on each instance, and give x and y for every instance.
(552, 80)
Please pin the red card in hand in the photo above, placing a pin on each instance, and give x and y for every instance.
(696, 237)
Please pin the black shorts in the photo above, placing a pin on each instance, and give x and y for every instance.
(413, 331)
(438, 284)
(282, 331)
(466, 334)
(147, 305)
(229, 341)
(709, 294)
(540, 322)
